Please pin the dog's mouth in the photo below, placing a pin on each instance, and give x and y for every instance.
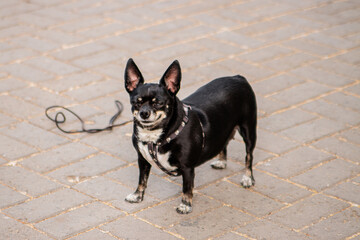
(151, 123)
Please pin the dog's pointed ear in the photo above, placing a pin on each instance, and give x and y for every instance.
(133, 76)
(172, 77)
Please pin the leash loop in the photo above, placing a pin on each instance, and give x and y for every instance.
(60, 118)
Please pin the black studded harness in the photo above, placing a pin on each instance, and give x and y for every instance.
(153, 147)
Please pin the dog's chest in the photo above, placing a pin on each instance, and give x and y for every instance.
(145, 136)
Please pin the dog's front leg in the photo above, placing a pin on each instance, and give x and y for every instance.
(185, 206)
(144, 171)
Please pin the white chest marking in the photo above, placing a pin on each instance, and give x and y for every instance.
(162, 158)
(145, 135)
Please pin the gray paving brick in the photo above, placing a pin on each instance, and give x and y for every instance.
(88, 168)
(18, 108)
(29, 133)
(11, 229)
(113, 193)
(311, 48)
(58, 157)
(47, 206)
(231, 236)
(12, 149)
(20, 70)
(308, 211)
(9, 197)
(328, 174)
(24, 180)
(348, 191)
(275, 188)
(284, 120)
(158, 187)
(302, 92)
(204, 226)
(165, 214)
(345, 100)
(313, 130)
(266, 141)
(275, 84)
(120, 228)
(352, 135)
(53, 66)
(78, 220)
(339, 226)
(264, 229)
(340, 148)
(318, 75)
(341, 68)
(40, 45)
(333, 112)
(10, 84)
(243, 199)
(95, 234)
(295, 162)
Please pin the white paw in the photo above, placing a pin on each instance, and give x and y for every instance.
(184, 209)
(247, 181)
(133, 198)
(218, 164)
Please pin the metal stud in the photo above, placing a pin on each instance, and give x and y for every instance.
(168, 140)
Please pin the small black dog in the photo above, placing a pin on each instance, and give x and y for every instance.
(179, 135)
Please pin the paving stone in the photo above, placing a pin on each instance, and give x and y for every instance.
(284, 120)
(321, 76)
(311, 48)
(333, 112)
(231, 236)
(11, 229)
(204, 226)
(88, 168)
(345, 100)
(313, 130)
(328, 174)
(243, 199)
(40, 97)
(264, 229)
(18, 108)
(12, 149)
(341, 68)
(40, 45)
(308, 211)
(120, 228)
(23, 181)
(348, 191)
(30, 134)
(339, 226)
(165, 214)
(113, 193)
(58, 157)
(301, 93)
(9, 197)
(20, 70)
(16, 55)
(118, 143)
(10, 84)
(95, 234)
(276, 84)
(266, 141)
(340, 148)
(52, 66)
(294, 162)
(351, 135)
(274, 187)
(47, 206)
(79, 51)
(158, 188)
(98, 59)
(78, 220)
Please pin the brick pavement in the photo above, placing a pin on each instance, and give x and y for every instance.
(302, 58)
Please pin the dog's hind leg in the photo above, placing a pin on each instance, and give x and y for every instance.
(248, 132)
(220, 163)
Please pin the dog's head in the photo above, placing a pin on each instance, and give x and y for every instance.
(152, 104)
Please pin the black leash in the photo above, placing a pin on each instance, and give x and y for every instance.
(60, 119)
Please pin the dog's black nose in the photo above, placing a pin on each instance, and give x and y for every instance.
(145, 114)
